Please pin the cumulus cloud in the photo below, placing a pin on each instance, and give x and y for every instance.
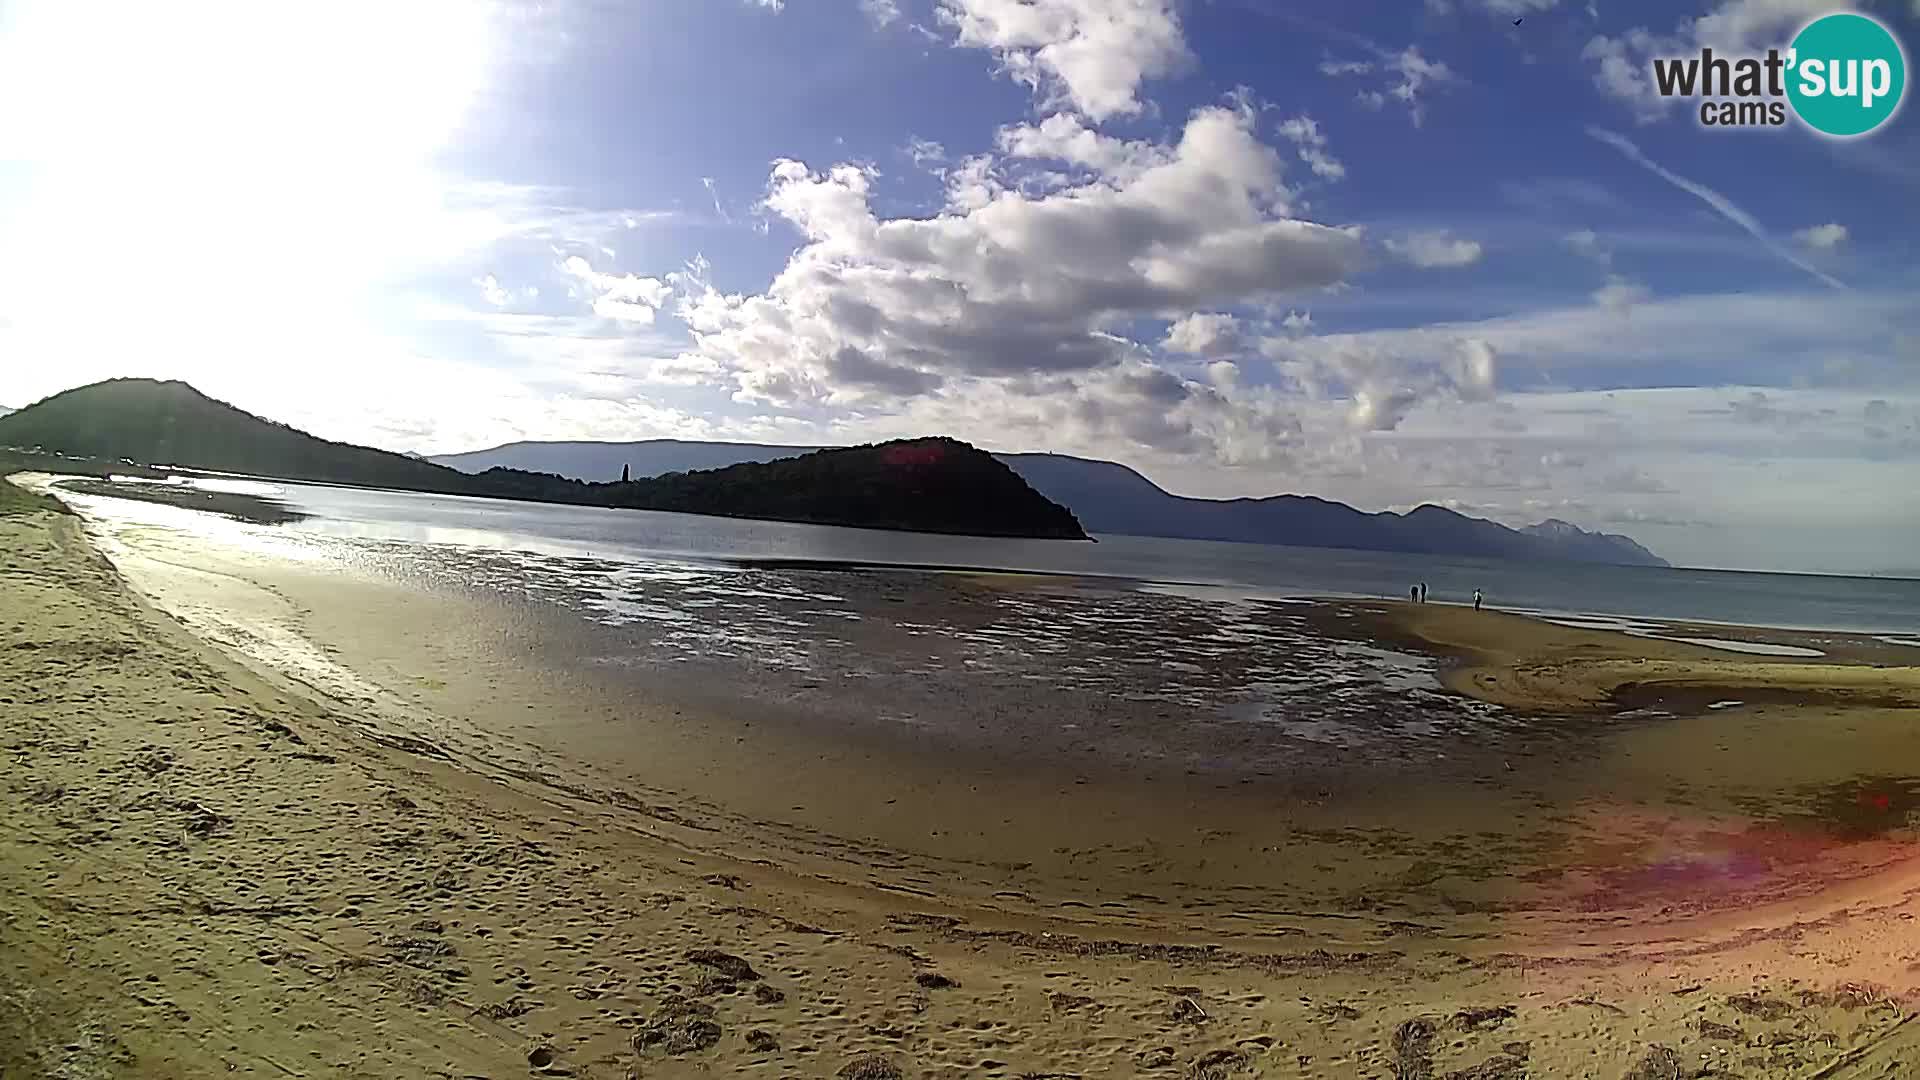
(1473, 369)
(1090, 54)
(1620, 293)
(1203, 334)
(1821, 237)
(491, 291)
(1382, 379)
(1008, 288)
(1622, 63)
(618, 296)
(881, 13)
(1064, 137)
(1435, 248)
(1305, 134)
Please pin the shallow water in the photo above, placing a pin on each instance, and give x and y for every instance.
(1757, 648)
(1203, 676)
(1875, 605)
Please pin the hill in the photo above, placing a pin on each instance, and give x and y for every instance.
(1604, 547)
(922, 485)
(1108, 497)
(926, 485)
(171, 423)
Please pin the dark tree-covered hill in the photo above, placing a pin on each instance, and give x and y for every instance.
(925, 485)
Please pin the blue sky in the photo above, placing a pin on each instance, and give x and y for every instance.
(1391, 254)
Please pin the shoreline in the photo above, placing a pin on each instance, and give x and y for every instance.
(1134, 580)
(609, 897)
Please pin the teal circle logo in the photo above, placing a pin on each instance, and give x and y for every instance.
(1847, 74)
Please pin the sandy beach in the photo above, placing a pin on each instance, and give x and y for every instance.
(435, 834)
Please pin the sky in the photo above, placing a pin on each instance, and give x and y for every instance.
(1391, 254)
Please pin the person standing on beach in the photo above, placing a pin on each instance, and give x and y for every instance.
(1413, 594)
(1423, 592)
(1476, 599)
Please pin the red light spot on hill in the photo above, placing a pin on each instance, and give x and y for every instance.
(914, 454)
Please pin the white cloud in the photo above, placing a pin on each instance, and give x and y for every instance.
(1720, 203)
(1499, 8)
(1416, 72)
(1435, 248)
(619, 296)
(1587, 244)
(1621, 69)
(491, 291)
(1747, 25)
(1018, 295)
(1204, 334)
(1473, 369)
(1792, 330)
(926, 152)
(1382, 378)
(1091, 54)
(1821, 237)
(1510, 8)
(1064, 137)
(881, 13)
(1620, 293)
(1409, 76)
(1305, 134)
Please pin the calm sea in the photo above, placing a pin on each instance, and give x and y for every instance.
(1877, 605)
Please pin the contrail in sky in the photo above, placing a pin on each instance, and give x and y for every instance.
(1714, 199)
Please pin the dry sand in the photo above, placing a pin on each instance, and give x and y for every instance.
(206, 869)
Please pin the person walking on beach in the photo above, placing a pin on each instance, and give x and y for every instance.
(1476, 599)
(1413, 595)
(1423, 592)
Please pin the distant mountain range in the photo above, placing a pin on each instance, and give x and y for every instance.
(1111, 498)
(923, 485)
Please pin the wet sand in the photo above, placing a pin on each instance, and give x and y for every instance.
(447, 843)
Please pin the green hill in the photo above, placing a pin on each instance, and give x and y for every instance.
(171, 423)
(924, 485)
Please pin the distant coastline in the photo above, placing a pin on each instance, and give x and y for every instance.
(1108, 497)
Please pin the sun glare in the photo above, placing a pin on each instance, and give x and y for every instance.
(266, 159)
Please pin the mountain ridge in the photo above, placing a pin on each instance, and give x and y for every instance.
(1109, 497)
(937, 485)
